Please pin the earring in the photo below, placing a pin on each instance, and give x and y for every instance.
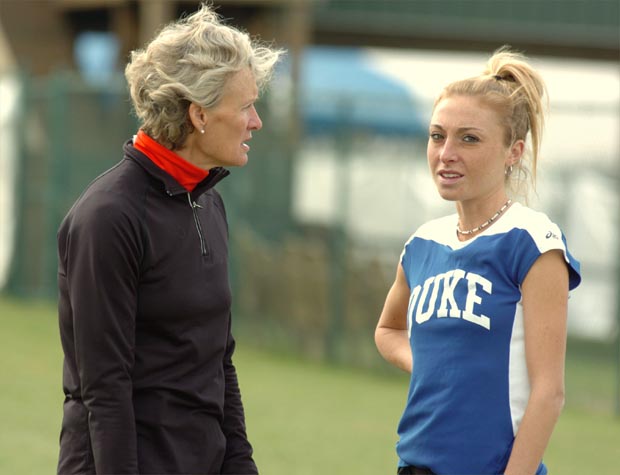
(508, 171)
(202, 131)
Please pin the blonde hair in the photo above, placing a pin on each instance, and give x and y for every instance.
(519, 95)
(190, 60)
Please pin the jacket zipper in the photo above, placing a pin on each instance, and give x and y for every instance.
(194, 205)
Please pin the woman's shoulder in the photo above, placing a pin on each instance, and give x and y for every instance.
(438, 229)
(536, 223)
(113, 194)
(545, 235)
(534, 227)
(530, 216)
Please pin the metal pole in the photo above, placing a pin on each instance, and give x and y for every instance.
(339, 237)
(16, 281)
(617, 408)
(153, 14)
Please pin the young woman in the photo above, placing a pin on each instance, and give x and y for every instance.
(477, 312)
(144, 298)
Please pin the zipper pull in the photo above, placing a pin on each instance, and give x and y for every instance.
(193, 204)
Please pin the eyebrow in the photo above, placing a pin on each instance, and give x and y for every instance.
(251, 99)
(460, 129)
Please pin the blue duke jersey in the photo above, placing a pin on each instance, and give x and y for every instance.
(469, 385)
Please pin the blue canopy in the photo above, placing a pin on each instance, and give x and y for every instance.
(341, 88)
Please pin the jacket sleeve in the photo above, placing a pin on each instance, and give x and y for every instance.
(102, 261)
(238, 459)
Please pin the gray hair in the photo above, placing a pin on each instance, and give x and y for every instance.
(190, 60)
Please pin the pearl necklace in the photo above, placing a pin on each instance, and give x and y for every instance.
(486, 223)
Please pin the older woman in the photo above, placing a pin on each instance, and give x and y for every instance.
(144, 298)
(477, 312)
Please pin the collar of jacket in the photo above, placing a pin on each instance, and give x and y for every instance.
(171, 186)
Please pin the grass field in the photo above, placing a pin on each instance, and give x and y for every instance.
(303, 418)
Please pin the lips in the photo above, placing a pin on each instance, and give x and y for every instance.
(244, 145)
(449, 175)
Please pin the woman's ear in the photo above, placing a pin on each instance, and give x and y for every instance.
(516, 152)
(197, 116)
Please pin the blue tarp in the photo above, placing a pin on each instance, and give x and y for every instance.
(341, 87)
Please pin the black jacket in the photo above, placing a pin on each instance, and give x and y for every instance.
(144, 311)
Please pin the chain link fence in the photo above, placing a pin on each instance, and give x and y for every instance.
(304, 281)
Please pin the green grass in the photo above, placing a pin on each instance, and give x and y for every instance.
(302, 417)
(31, 395)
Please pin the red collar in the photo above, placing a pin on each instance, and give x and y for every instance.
(187, 174)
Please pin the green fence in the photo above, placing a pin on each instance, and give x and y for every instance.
(304, 289)
(68, 133)
(297, 288)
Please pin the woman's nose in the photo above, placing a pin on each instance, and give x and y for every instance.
(255, 122)
(447, 152)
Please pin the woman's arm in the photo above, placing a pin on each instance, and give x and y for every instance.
(100, 255)
(391, 334)
(238, 457)
(545, 302)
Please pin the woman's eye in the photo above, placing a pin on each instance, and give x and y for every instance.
(435, 136)
(470, 139)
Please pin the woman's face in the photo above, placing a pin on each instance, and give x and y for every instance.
(466, 152)
(228, 126)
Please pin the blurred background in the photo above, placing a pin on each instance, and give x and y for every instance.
(336, 183)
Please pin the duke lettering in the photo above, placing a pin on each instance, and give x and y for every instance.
(437, 296)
